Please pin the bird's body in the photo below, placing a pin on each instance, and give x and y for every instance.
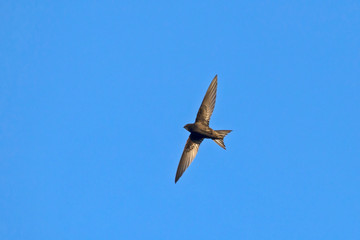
(200, 130)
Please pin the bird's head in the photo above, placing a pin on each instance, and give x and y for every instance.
(188, 127)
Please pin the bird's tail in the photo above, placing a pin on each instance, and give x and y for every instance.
(220, 140)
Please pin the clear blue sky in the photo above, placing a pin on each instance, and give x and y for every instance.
(94, 96)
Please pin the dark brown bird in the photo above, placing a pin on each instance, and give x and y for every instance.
(200, 130)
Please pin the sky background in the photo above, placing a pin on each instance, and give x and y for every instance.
(94, 96)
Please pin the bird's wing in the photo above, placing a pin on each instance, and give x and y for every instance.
(208, 103)
(188, 155)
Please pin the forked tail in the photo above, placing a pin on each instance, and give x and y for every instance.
(222, 134)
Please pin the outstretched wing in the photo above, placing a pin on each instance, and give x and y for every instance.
(188, 155)
(208, 103)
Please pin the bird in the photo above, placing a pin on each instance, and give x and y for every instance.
(201, 130)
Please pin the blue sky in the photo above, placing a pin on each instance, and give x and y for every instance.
(94, 96)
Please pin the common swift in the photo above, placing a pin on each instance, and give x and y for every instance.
(200, 130)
